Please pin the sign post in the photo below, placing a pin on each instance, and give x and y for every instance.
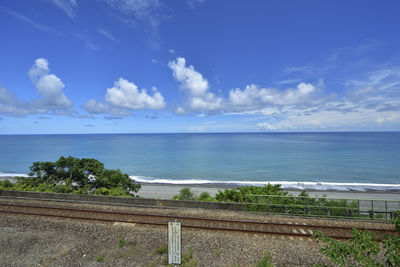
(174, 243)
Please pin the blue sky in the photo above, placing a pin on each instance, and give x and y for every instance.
(134, 66)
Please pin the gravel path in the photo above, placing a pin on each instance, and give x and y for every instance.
(39, 241)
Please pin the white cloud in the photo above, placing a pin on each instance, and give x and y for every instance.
(180, 111)
(94, 107)
(48, 85)
(90, 46)
(253, 97)
(7, 98)
(171, 51)
(124, 96)
(34, 24)
(283, 125)
(107, 34)
(67, 6)
(192, 4)
(142, 10)
(195, 87)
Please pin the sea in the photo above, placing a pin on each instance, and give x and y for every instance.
(321, 161)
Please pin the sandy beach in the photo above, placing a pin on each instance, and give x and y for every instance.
(167, 191)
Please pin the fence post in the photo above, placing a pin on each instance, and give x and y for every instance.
(386, 212)
(371, 214)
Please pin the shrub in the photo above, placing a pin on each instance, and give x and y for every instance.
(265, 261)
(239, 194)
(362, 249)
(205, 196)
(185, 194)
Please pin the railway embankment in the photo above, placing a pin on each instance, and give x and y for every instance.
(62, 240)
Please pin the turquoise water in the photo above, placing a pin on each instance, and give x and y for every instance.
(339, 158)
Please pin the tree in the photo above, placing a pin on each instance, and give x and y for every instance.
(81, 175)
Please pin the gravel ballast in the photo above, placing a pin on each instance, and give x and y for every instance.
(41, 241)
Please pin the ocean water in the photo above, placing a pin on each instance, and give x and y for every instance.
(360, 161)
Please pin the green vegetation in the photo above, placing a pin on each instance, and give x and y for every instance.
(272, 198)
(187, 260)
(122, 242)
(238, 195)
(265, 261)
(396, 220)
(186, 194)
(74, 175)
(100, 258)
(161, 250)
(217, 253)
(361, 250)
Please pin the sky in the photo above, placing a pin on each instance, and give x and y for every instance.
(154, 66)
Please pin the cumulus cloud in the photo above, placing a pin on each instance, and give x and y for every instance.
(254, 97)
(282, 125)
(124, 96)
(195, 88)
(49, 87)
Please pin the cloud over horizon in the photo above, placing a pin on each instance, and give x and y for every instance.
(125, 96)
(49, 87)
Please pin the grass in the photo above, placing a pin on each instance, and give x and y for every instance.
(217, 253)
(265, 261)
(100, 258)
(161, 250)
(187, 260)
(122, 242)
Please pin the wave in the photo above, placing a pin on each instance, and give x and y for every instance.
(319, 186)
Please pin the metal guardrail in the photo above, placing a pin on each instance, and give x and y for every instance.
(323, 206)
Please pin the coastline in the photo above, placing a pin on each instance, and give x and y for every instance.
(167, 191)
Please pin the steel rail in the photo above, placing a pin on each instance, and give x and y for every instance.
(207, 223)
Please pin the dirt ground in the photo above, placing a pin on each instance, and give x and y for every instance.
(39, 241)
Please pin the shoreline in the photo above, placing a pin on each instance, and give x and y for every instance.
(167, 191)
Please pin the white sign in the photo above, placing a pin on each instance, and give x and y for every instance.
(174, 243)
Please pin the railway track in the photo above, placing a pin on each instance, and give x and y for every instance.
(288, 229)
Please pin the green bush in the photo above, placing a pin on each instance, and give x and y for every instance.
(185, 194)
(205, 196)
(362, 249)
(239, 194)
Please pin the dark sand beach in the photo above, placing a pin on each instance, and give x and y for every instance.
(167, 191)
